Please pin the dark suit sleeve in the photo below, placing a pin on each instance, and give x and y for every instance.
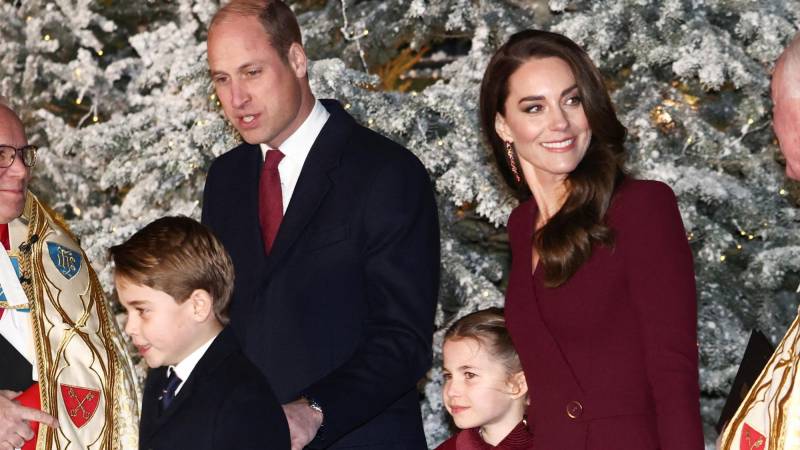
(251, 418)
(662, 286)
(207, 214)
(401, 265)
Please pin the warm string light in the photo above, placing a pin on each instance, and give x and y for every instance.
(213, 98)
(743, 234)
(92, 113)
(353, 37)
(662, 118)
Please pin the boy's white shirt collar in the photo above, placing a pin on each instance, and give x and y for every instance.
(296, 148)
(184, 368)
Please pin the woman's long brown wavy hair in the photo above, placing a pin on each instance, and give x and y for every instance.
(565, 242)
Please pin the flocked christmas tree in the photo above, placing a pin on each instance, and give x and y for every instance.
(117, 96)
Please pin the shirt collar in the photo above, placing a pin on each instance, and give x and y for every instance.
(296, 147)
(184, 368)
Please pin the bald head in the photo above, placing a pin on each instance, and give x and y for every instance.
(786, 106)
(13, 179)
(8, 118)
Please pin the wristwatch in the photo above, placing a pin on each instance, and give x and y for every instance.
(313, 405)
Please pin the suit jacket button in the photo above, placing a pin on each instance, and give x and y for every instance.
(574, 409)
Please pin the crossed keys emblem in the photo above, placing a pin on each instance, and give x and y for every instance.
(74, 411)
(81, 403)
(751, 439)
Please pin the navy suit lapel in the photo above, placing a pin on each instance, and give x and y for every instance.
(251, 171)
(242, 223)
(151, 419)
(222, 346)
(314, 181)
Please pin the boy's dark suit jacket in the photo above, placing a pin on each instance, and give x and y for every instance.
(225, 404)
(342, 308)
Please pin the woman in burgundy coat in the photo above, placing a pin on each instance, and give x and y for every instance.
(601, 302)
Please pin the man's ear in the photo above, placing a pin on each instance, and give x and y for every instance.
(298, 60)
(202, 304)
(502, 129)
(518, 384)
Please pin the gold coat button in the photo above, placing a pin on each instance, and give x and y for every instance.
(574, 409)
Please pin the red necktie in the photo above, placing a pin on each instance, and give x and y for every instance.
(6, 244)
(270, 204)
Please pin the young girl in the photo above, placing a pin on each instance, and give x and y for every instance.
(485, 389)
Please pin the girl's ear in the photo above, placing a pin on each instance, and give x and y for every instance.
(518, 384)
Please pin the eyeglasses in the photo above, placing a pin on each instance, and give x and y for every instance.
(9, 153)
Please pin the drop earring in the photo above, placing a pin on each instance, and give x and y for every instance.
(512, 161)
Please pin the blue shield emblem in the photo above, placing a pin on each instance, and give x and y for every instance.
(15, 264)
(67, 261)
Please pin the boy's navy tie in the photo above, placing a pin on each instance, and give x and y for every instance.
(168, 393)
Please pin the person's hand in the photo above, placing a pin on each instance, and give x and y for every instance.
(304, 422)
(14, 418)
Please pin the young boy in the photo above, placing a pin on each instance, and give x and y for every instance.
(175, 280)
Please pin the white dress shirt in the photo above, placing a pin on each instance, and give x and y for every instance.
(15, 326)
(295, 149)
(184, 368)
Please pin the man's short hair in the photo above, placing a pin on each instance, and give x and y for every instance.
(177, 255)
(276, 17)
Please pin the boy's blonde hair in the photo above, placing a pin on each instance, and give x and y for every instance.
(177, 255)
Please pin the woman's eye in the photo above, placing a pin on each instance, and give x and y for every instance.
(533, 109)
(469, 375)
(447, 376)
(574, 100)
(253, 72)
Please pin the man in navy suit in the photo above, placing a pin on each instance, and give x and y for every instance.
(333, 232)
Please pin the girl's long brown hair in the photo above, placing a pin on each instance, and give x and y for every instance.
(565, 242)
